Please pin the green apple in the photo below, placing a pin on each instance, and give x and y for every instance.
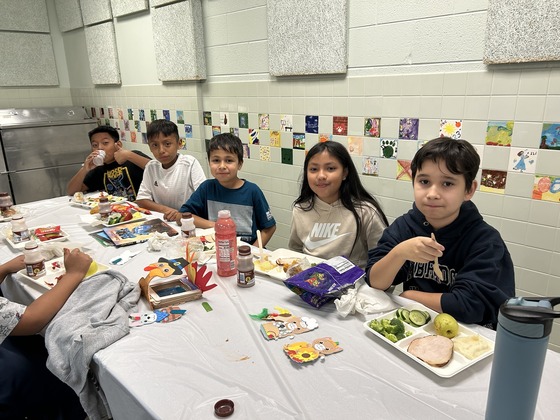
(446, 325)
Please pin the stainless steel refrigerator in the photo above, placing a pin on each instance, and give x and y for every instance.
(41, 149)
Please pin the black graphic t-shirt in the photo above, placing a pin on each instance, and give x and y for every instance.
(120, 180)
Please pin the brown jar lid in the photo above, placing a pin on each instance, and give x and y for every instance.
(223, 408)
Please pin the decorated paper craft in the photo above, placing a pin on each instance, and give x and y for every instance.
(282, 326)
(163, 315)
(303, 352)
(266, 315)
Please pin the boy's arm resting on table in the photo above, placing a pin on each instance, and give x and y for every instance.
(266, 234)
(202, 223)
(40, 312)
(169, 214)
(12, 266)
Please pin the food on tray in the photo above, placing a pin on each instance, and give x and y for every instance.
(471, 346)
(435, 350)
(393, 330)
(48, 233)
(446, 325)
(264, 264)
(286, 263)
(8, 212)
(414, 317)
(79, 197)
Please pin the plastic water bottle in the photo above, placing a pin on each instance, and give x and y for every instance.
(226, 244)
(524, 326)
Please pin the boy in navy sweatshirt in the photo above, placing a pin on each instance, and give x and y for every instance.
(477, 270)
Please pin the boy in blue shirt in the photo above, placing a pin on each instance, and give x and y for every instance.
(245, 200)
(476, 267)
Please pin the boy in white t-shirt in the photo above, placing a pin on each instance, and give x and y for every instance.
(169, 180)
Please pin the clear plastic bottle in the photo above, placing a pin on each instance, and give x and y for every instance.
(187, 225)
(33, 259)
(245, 267)
(226, 244)
(104, 207)
(20, 231)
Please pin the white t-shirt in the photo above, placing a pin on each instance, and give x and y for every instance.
(10, 313)
(171, 187)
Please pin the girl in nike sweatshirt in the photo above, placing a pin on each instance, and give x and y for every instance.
(334, 214)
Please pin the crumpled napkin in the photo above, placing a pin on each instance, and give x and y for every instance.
(363, 299)
(157, 240)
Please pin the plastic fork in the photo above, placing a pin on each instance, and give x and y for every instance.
(437, 270)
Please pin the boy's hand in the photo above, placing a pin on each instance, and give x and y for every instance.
(172, 215)
(14, 265)
(88, 163)
(121, 155)
(420, 249)
(76, 262)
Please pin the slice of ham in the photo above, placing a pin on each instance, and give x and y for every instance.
(435, 350)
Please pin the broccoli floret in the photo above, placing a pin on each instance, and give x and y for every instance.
(398, 326)
(376, 326)
(391, 337)
(386, 323)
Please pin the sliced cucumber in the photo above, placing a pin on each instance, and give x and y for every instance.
(417, 318)
(428, 317)
(405, 315)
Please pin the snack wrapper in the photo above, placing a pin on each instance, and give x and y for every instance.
(325, 282)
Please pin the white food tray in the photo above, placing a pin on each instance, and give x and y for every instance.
(21, 245)
(278, 271)
(457, 363)
(53, 269)
(92, 200)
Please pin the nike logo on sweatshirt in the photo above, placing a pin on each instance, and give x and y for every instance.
(322, 234)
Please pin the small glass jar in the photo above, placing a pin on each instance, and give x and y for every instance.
(245, 267)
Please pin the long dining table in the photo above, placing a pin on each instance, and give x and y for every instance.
(180, 369)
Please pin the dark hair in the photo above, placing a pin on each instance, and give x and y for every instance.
(105, 129)
(460, 157)
(165, 127)
(227, 142)
(352, 192)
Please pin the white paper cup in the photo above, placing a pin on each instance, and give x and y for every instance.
(98, 159)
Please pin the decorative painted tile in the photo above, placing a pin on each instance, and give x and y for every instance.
(166, 115)
(145, 138)
(498, 133)
(370, 166)
(216, 129)
(120, 114)
(286, 123)
(207, 145)
(246, 151)
(312, 124)
(388, 148)
(130, 114)
(340, 126)
(550, 137)
(275, 138)
(111, 113)
(93, 112)
(372, 127)
(523, 160)
(408, 128)
(224, 119)
(182, 143)
(404, 172)
(180, 117)
(299, 141)
(264, 121)
(451, 128)
(207, 117)
(107, 121)
(133, 136)
(547, 188)
(101, 112)
(265, 153)
(153, 115)
(493, 181)
(141, 115)
(234, 131)
(188, 131)
(126, 125)
(243, 120)
(355, 145)
(287, 156)
(137, 126)
(325, 137)
(254, 136)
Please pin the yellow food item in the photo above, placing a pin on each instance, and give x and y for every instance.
(265, 264)
(92, 269)
(471, 346)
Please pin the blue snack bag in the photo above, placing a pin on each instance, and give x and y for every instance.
(325, 282)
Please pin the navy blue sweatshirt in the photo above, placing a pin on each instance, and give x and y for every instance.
(476, 265)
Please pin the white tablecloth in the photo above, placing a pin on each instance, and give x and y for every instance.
(180, 369)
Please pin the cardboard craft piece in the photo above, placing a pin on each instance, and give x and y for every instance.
(304, 352)
(286, 327)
